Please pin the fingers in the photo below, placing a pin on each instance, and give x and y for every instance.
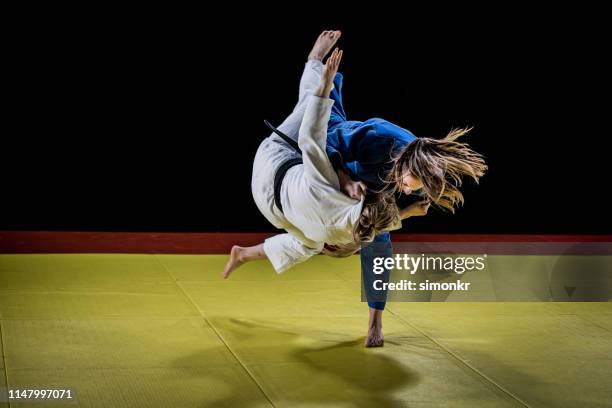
(338, 59)
(334, 59)
(363, 188)
(357, 190)
(338, 56)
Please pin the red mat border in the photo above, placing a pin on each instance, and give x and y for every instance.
(23, 242)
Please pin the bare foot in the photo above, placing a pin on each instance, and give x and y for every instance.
(324, 44)
(375, 337)
(234, 261)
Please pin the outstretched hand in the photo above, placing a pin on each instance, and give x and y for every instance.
(331, 67)
(416, 209)
(329, 73)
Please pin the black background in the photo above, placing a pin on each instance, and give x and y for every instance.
(150, 122)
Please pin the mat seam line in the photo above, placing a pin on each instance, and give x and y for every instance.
(455, 356)
(203, 316)
(593, 323)
(4, 363)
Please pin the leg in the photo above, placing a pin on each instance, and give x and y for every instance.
(375, 337)
(241, 255)
(311, 78)
(381, 247)
(309, 82)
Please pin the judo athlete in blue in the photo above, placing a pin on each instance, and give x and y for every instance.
(379, 157)
(363, 151)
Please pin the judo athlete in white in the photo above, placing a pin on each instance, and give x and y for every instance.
(309, 204)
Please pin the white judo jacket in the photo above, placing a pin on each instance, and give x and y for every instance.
(315, 211)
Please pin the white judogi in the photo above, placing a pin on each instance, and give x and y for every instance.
(315, 211)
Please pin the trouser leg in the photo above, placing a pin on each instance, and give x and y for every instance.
(380, 247)
(309, 82)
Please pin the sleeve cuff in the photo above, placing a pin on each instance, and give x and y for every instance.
(325, 102)
(284, 251)
(274, 256)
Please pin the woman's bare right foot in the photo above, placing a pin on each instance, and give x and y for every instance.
(234, 261)
(375, 337)
(324, 44)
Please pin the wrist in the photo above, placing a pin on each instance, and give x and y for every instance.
(343, 177)
(323, 91)
(406, 213)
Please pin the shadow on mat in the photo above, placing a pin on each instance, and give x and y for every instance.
(339, 372)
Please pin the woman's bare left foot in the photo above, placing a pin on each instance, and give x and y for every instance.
(233, 262)
(324, 44)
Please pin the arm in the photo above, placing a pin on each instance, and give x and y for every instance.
(327, 79)
(415, 210)
(313, 131)
(333, 152)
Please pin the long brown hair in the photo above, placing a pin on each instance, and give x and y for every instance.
(440, 165)
(378, 214)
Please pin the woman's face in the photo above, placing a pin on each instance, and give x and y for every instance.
(410, 184)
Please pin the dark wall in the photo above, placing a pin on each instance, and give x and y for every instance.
(151, 126)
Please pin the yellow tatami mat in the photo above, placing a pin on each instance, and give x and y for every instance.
(167, 331)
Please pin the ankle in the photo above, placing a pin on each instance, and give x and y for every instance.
(375, 323)
(243, 255)
(239, 251)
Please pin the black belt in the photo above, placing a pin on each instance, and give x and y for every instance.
(285, 166)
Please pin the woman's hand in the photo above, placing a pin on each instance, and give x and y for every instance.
(354, 189)
(416, 210)
(329, 73)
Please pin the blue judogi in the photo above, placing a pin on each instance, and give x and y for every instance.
(364, 151)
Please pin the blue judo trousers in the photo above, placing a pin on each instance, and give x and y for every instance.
(363, 150)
